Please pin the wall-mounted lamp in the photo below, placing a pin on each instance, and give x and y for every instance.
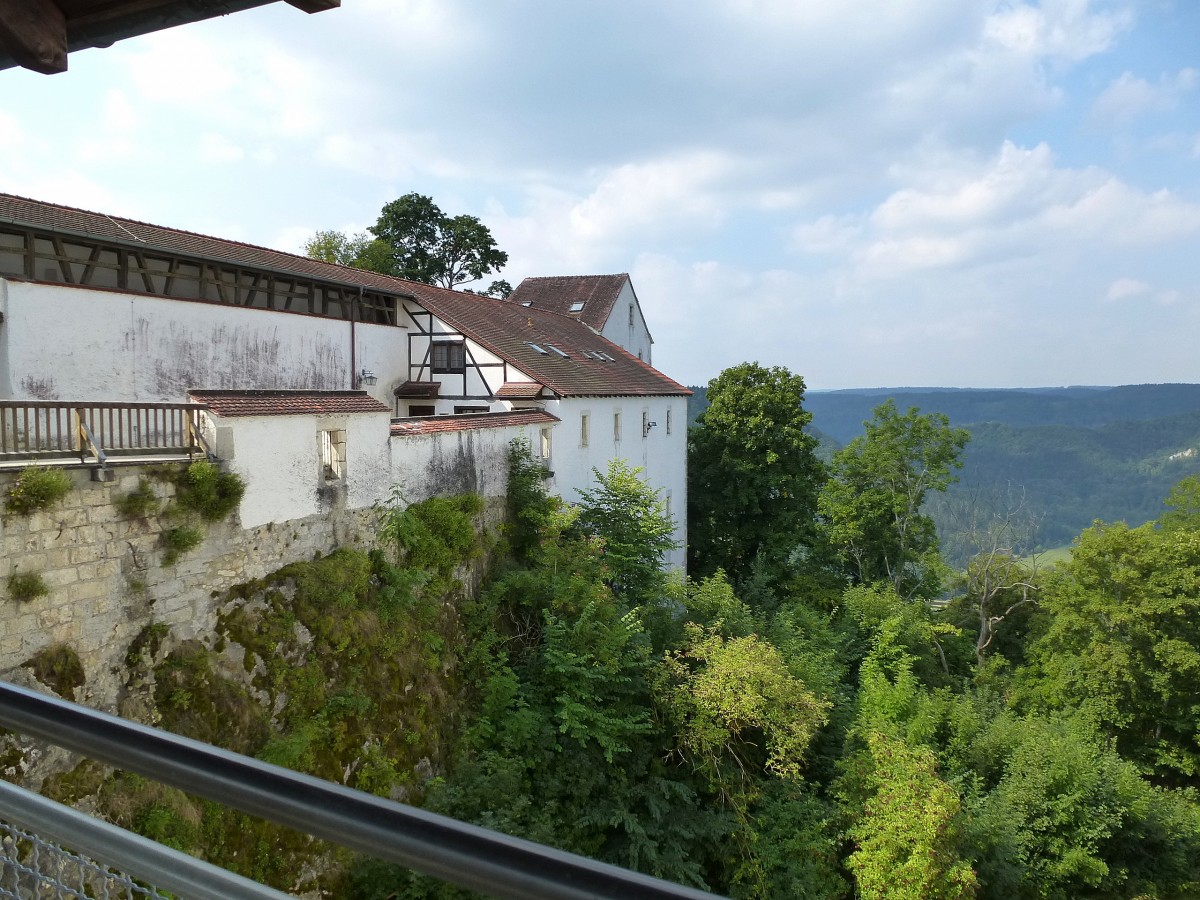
(367, 378)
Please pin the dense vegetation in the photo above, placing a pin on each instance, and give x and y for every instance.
(824, 709)
(801, 720)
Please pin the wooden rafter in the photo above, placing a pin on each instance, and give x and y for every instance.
(34, 33)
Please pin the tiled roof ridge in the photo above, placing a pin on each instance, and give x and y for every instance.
(234, 403)
(576, 277)
(273, 392)
(411, 425)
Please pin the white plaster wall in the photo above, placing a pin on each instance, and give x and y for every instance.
(277, 457)
(79, 344)
(635, 338)
(662, 456)
(369, 459)
(453, 462)
(5, 330)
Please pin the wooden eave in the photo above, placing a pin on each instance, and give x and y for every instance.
(38, 34)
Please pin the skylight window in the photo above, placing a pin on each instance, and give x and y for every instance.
(527, 303)
(537, 348)
(554, 349)
(577, 306)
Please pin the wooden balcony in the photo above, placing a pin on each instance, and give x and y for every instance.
(71, 433)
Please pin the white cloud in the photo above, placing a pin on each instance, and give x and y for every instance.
(1070, 30)
(1124, 288)
(664, 193)
(1130, 97)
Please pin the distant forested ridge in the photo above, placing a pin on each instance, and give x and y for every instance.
(1075, 454)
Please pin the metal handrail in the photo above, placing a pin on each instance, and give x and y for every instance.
(467, 855)
(159, 865)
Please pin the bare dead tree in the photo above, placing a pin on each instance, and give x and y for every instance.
(995, 530)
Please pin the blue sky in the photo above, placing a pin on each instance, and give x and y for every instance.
(931, 192)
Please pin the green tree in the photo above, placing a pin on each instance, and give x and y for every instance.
(1121, 643)
(753, 476)
(429, 246)
(906, 838)
(632, 520)
(358, 250)
(872, 503)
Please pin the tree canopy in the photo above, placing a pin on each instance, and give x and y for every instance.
(873, 500)
(414, 239)
(753, 475)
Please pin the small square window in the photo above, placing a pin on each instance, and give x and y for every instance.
(577, 306)
(448, 357)
(545, 443)
(617, 426)
(420, 410)
(645, 423)
(585, 428)
(668, 421)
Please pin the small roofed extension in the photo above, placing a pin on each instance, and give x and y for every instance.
(99, 307)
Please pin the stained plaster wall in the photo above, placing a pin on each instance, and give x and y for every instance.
(279, 459)
(70, 343)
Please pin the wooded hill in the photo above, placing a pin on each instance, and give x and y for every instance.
(1076, 454)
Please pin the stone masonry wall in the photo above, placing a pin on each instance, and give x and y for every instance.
(107, 578)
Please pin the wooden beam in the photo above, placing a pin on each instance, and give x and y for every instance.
(315, 6)
(34, 32)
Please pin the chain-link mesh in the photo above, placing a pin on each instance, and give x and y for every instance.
(34, 869)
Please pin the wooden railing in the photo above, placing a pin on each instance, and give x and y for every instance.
(33, 429)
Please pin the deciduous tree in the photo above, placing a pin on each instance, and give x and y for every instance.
(874, 497)
(414, 239)
(429, 246)
(753, 475)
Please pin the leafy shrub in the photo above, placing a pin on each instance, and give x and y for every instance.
(179, 541)
(37, 487)
(27, 586)
(139, 503)
(207, 491)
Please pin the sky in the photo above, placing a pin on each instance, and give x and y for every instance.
(869, 192)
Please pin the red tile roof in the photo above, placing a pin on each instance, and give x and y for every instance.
(588, 365)
(231, 404)
(558, 293)
(520, 390)
(434, 424)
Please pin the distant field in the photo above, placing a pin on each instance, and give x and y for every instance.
(1048, 558)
